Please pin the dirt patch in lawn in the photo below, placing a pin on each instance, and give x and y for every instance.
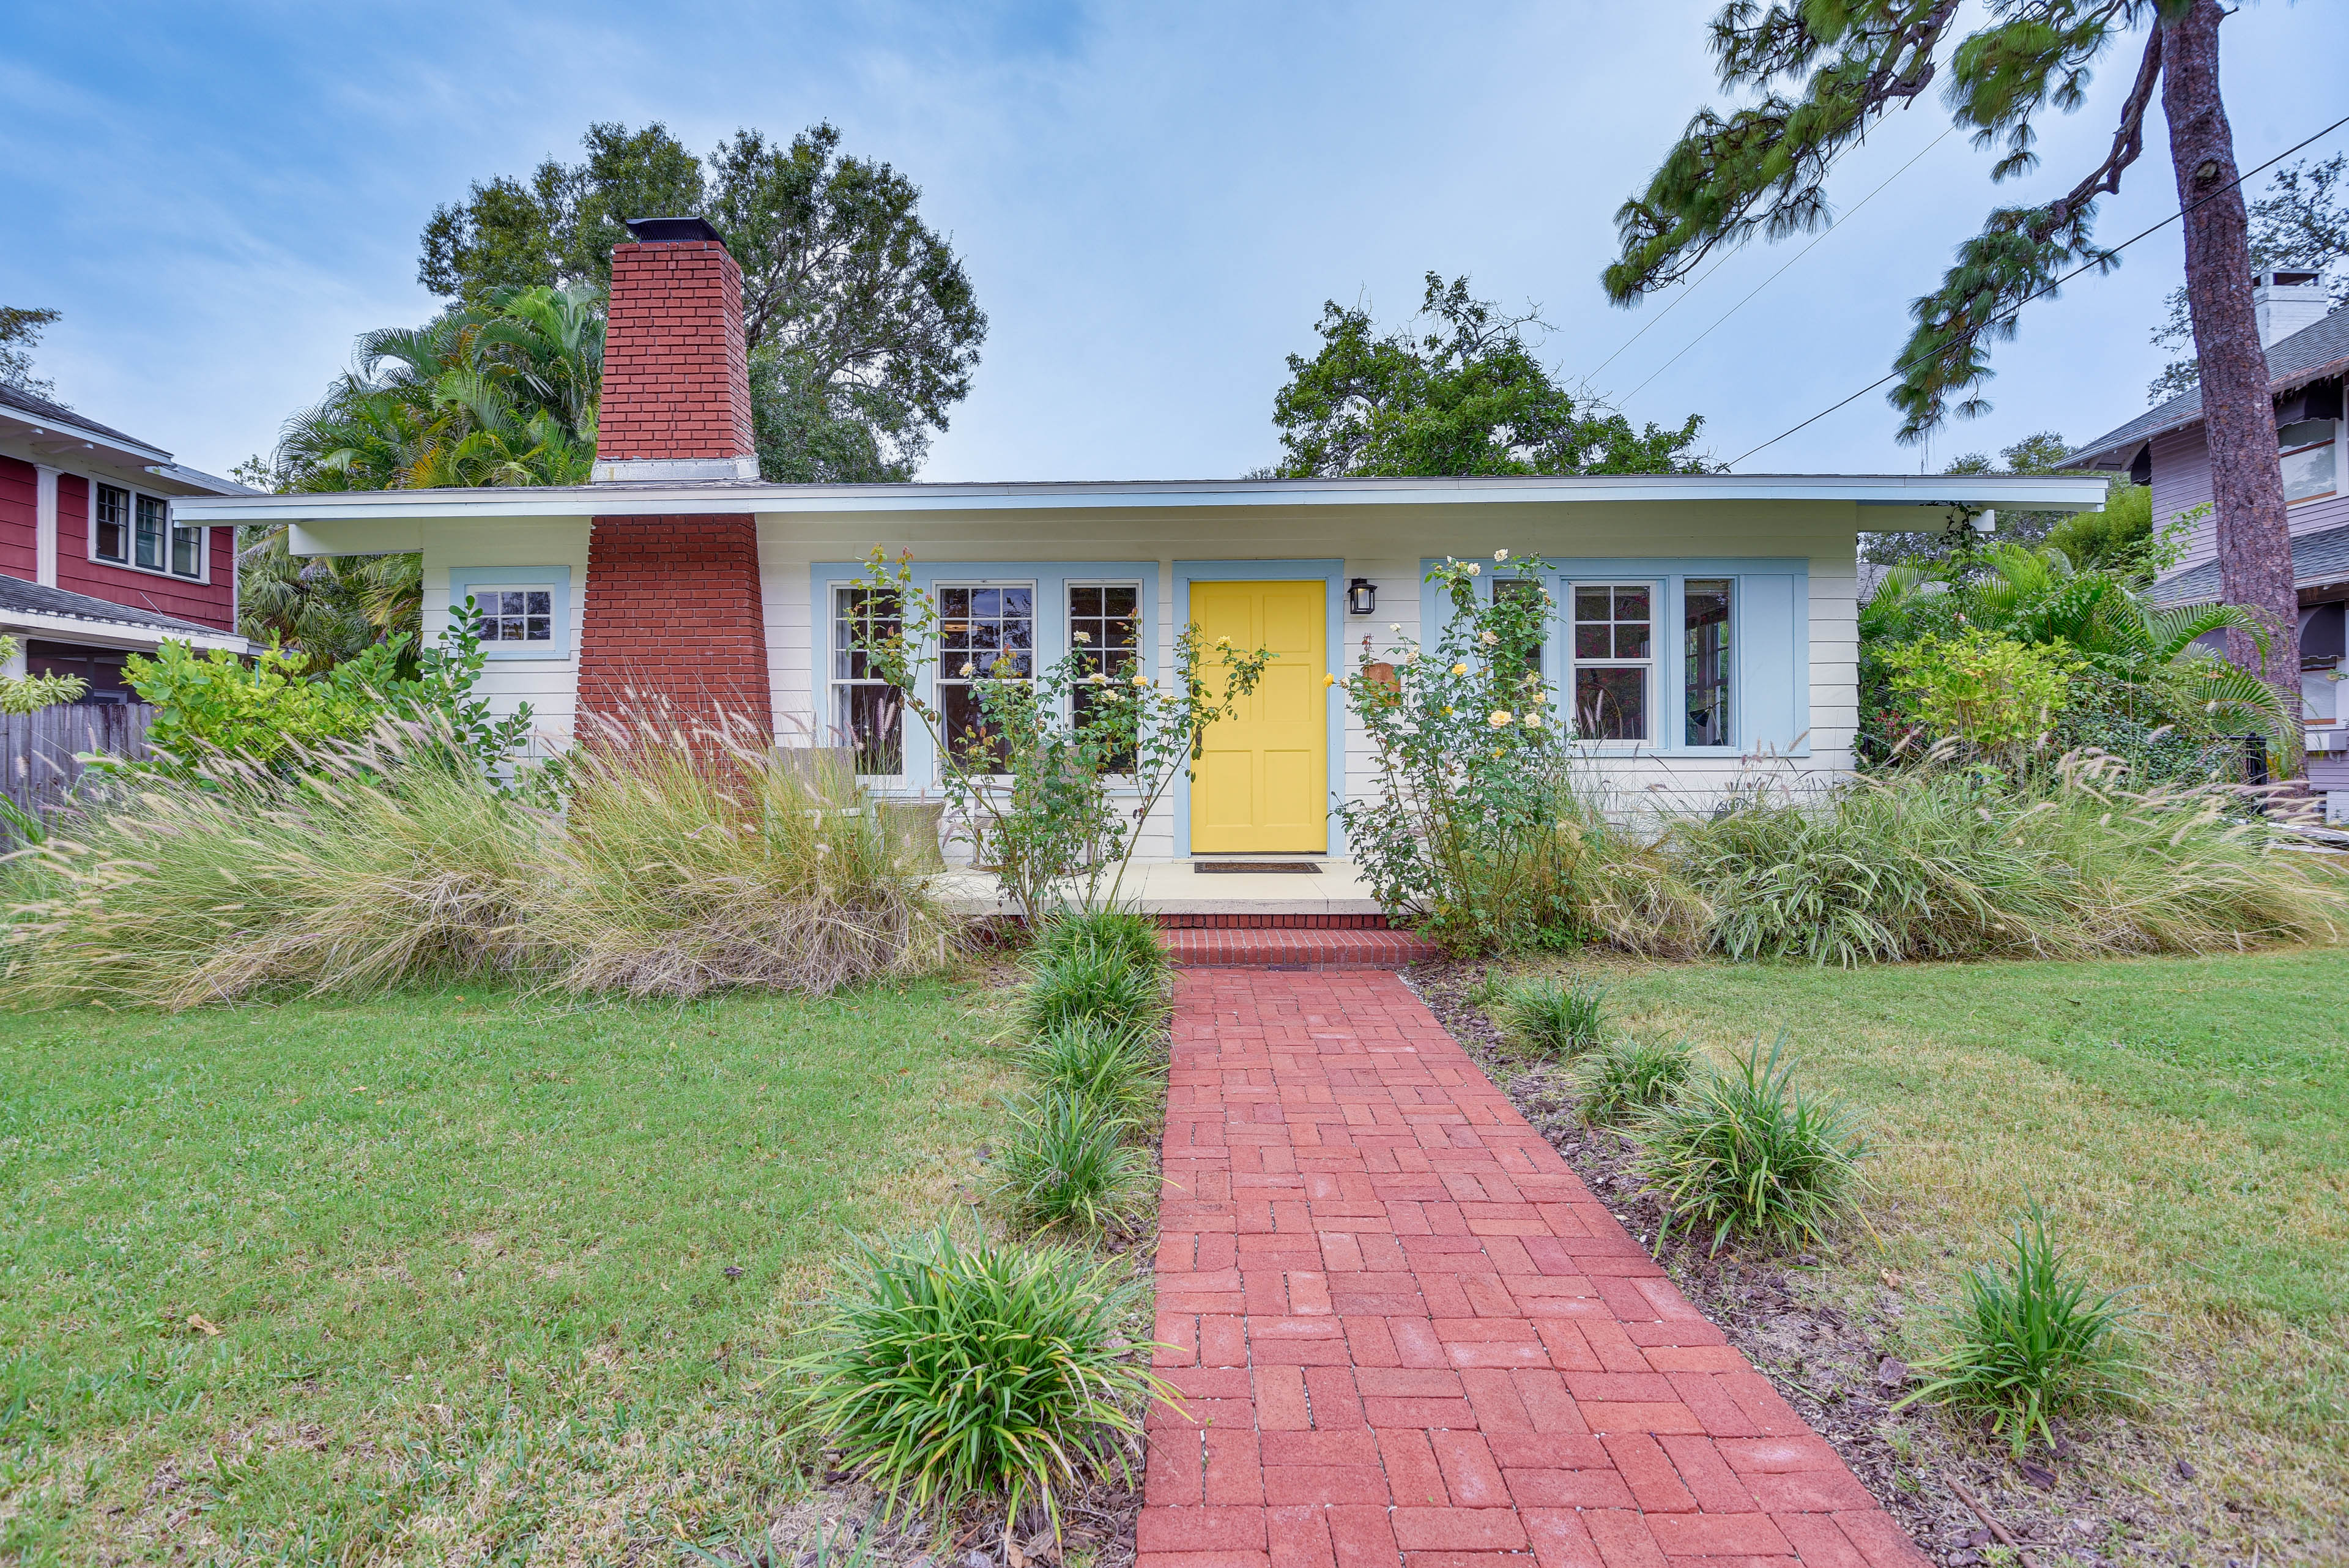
(1827, 1329)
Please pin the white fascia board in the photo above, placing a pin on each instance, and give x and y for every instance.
(113, 634)
(2028, 491)
(55, 438)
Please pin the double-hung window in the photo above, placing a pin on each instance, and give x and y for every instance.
(1105, 635)
(867, 714)
(985, 631)
(1705, 654)
(134, 530)
(2307, 452)
(1614, 660)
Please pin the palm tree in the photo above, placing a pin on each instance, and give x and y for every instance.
(501, 394)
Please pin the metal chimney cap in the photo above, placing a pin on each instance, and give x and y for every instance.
(670, 231)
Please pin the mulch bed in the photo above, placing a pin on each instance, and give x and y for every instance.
(1825, 1330)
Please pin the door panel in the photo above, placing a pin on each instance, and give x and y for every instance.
(1264, 779)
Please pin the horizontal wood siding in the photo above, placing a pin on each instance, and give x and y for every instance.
(2181, 481)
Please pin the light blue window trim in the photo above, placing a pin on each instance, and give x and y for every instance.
(1052, 581)
(1769, 642)
(1332, 574)
(463, 580)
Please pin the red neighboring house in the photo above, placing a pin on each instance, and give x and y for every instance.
(95, 563)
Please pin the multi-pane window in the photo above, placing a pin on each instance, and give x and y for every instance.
(148, 534)
(111, 518)
(1614, 654)
(983, 632)
(1704, 613)
(509, 616)
(867, 714)
(134, 530)
(2306, 450)
(1105, 635)
(187, 551)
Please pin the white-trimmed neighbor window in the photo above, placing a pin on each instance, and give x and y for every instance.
(1106, 634)
(983, 630)
(867, 714)
(516, 616)
(129, 529)
(2307, 452)
(1614, 656)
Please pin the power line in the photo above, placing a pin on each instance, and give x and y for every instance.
(1775, 277)
(1725, 258)
(1901, 368)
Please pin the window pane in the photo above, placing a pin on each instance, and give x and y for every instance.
(1590, 642)
(1631, 642)
(967, 730)
(1610, 704)
(860, 612)
(2308, 472)
(1631, 604)
(1592, 604)
(871, 719)
(149, 533)
(1707, 612)
(537, 603)
(187, 552)
(1525, 590)
(112, 507)
(541, 629)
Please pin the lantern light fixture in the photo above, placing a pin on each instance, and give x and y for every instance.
(1362, 597)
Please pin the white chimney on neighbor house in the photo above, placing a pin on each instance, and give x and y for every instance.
(2287, 302)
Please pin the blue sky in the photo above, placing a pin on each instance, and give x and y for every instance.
(1152, 201)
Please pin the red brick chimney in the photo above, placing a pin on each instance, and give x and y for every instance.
(677, 380)
(675, 619)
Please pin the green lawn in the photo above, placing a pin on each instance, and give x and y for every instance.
(2186, 1122)
(470, 1260)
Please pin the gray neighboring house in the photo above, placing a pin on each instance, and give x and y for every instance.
(2307, 345)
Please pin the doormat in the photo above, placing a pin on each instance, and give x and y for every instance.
(1289, 868)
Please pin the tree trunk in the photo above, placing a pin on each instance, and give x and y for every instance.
(2254, 538)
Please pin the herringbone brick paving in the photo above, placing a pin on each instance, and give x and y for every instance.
(1405, 1334)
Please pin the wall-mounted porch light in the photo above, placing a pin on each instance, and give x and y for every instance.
(1362, 597)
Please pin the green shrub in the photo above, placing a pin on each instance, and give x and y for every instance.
(1067, 1163)
(272, 711)
(1744, 1153)
(952, 1372)
(1980, 687)
(1547, 1017)
(1094, 985)
(1957, 862)
(1125, 932)
(1625, 1077)
(2029, 1343)
(1115, 1070)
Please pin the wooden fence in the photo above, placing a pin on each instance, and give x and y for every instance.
(38, 766)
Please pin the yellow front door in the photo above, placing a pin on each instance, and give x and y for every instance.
(1264, 781)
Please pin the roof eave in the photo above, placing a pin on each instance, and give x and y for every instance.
(2037, 493)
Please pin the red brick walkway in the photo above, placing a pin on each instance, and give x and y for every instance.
(1406, 1335)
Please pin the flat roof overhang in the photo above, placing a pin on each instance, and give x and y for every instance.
(386, 517)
